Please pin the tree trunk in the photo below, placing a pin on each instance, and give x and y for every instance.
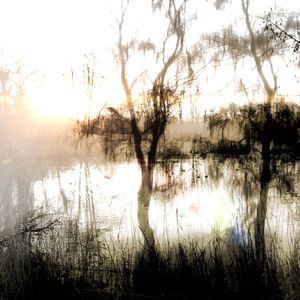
(266, 134)
(266, 144)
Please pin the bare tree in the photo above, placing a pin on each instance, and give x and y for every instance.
(255, 44)
(269, 88)
(14, 82)
(144, 118)
(161, 96)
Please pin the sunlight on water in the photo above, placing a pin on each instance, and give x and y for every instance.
(189, 201)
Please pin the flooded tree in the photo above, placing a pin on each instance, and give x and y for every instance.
(254, 121)
(16, 191)
(270, 90)
(144, 117)
(270, 127)
(257, 122)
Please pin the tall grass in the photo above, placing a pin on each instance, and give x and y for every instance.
(68, 263)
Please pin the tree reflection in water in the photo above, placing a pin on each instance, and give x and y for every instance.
(144, 198)
(262, 210)
(252, 185)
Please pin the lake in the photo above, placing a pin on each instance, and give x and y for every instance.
(192, 200)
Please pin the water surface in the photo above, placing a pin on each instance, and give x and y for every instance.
(191, 199)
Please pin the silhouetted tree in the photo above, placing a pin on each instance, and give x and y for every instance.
(249, 120)
(143, 119)
(15, 79)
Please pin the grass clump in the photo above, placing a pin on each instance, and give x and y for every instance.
(81, 267)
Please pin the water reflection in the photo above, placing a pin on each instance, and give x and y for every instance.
(144, 198)
(190, 199)
(16, 197)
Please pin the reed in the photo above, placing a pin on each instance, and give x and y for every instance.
(67, 262)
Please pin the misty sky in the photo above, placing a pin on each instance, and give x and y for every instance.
(53, 36)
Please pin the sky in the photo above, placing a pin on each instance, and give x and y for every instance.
(52, 36)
